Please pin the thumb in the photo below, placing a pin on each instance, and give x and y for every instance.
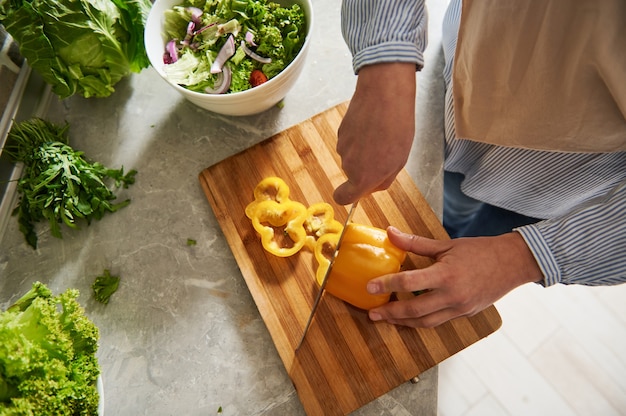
(416, 244)
(346, 193)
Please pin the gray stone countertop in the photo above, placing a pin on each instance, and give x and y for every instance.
(182, 335)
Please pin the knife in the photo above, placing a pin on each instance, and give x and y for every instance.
(325, 279)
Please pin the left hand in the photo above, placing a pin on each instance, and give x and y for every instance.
(469, 275)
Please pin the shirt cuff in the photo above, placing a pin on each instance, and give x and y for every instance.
(387, 53)
(542, 253)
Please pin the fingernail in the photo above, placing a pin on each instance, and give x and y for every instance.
(372, 288)
(394, 230)
(375, 316)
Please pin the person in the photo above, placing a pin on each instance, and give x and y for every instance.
(535, 140)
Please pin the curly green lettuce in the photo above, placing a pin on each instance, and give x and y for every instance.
(48, 363)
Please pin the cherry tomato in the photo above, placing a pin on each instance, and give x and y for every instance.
(257, 77)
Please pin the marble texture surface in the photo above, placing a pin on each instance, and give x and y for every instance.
(182, 336)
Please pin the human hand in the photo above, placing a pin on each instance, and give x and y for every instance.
(469, 275)
(376, 134)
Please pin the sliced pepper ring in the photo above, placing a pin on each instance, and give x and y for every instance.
(271, 188)
(324, 249)
(320, 221)
(280, 226)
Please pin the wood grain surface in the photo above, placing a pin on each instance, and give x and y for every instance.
(346, 360)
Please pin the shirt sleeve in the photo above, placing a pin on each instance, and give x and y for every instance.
(378, 31)
(587, 246)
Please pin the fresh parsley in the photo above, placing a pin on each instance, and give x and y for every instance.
(58, 184)
(104, 286)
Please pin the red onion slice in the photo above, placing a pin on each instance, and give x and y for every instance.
(203, 28)
(195, 14)
(250, 38)
(171, 52)
(222, 84)
(253, 55)
(190, 27)
(223, 55)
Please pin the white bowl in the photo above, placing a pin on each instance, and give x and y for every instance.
(252, 101)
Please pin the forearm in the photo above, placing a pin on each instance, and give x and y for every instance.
(378, 31)
(587, 246)
(375, 136)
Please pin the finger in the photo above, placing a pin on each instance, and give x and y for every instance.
(410, 280)
(417, 307)
(384, 185)
(405, 281)
(346, 193)
(417, 244)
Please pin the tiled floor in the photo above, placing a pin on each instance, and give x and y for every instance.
(560, 351)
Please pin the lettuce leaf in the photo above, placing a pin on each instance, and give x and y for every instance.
(79, 46)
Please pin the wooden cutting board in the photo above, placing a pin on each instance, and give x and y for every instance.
(346, 360)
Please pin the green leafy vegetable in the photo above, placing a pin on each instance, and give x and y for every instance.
(104, 286)
(199, 28)
(57, 183)
(48, 363)
(79, 46)
(191, 242)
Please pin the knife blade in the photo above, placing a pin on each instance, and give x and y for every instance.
(326, 275)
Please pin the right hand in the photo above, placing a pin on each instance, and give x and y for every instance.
(376, 134)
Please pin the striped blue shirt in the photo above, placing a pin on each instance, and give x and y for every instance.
(580, 196)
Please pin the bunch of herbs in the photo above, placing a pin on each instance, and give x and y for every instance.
(58, 183)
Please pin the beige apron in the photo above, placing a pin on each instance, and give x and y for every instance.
(542, 74)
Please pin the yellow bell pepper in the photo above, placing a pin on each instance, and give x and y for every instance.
(285, 226)
(280, 226)
(271, 188)
(320, 221)
(365, 253)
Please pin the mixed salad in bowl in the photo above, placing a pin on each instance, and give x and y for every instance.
(227, 46)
